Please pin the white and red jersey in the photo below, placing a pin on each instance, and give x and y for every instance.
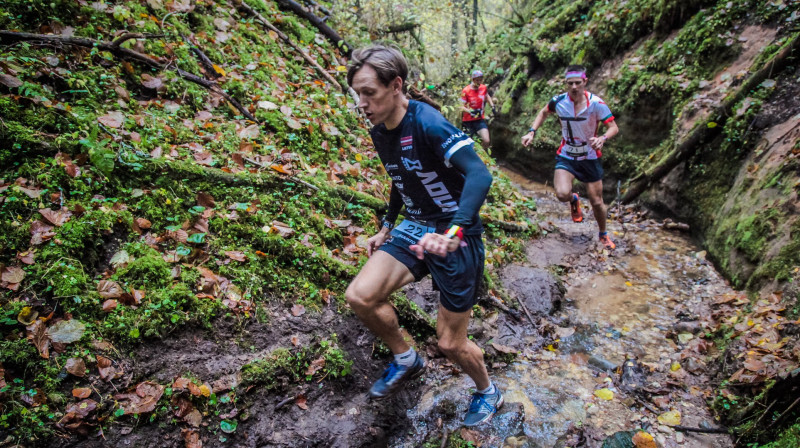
(578, 128)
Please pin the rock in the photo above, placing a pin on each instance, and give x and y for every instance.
(602, 363)
(692, 327)
(679, 437)
(537, 289)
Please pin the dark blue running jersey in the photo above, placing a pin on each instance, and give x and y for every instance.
(416, 155)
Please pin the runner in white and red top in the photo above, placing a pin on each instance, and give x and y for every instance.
(578, 156)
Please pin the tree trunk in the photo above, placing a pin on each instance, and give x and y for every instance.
(323, 28)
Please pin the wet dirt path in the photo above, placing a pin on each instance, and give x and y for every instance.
(633, 304)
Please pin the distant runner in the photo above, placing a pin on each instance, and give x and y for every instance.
(578, 156)
(474, 98)
(431, 163)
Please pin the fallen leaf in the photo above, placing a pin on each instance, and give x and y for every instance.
(643, 440)
(286, 110)
(76, 366)
(57, 218)
(281, 229)
(109, 305)
(112, 119)
(37, 334)
(12, 274)
(67, 331)
(143, 401)
(10, 81)
(300, 401)
(298, 310)
(604, 394)
(26, 257)
(152, 82)
(294, 124)
(191, 438)
(315, 366)
(236, 255)
(249, 132)
(670, 418)
(27, 316)
(109, 289)
(81, 392)
(205, 200)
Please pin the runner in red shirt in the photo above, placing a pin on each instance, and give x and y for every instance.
(472, 99)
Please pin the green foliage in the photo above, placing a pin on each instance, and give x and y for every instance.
(284, 367)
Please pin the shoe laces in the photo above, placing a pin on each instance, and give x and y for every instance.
(479, 403)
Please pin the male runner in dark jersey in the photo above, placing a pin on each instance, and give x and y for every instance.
(474, 98)
(442, 182)
(578, 157)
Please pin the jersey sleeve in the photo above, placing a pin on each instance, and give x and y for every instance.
(603, 112)
(551, 106)
(444, 138)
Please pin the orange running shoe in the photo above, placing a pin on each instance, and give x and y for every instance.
(575, 208)
(606, 241)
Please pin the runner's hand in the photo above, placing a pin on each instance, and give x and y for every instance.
(376, 241)
(527, 139)
(436, 244)
(597, 142)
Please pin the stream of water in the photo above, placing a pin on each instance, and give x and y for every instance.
(617, 306)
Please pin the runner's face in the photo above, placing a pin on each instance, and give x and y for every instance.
(376, 100)
(575, 86)
(477, 81)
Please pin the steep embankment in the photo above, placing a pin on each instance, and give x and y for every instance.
(185, 188)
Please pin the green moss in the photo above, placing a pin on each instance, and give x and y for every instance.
(147, 271)
(788, 438)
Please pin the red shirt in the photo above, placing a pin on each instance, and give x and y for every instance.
(473, 99)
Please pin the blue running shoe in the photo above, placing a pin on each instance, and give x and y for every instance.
(394, 377)
(483, 407)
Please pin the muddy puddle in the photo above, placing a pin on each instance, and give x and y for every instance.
(618, 307)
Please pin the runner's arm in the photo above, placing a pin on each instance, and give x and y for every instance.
(476, 185)
(395, 204)
(537, 122)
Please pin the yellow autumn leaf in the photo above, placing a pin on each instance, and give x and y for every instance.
(205, 391)
(604, 394)
(218, 69)
(644, 440)
(628, 283)
(359, 158)
(341, 68)
(675, 366)
(671, 418)
(712, 124)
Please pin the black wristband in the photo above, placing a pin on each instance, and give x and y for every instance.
(532, 130)
(386, 224)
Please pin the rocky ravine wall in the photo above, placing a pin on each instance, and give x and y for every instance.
(665, 68)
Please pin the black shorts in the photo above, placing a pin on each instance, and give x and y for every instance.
(472, 127)
(457, 276)
(585, 171)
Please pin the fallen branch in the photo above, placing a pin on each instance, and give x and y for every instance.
(127, 54)
(705, 430)
(495, 302)
(204, 59)
(284, 402)
(124, 37)
(702, 133)
(786, 412)
(268, 25)
(292, 178)
(326, 31)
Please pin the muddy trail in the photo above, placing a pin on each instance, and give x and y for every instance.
(598, 346)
